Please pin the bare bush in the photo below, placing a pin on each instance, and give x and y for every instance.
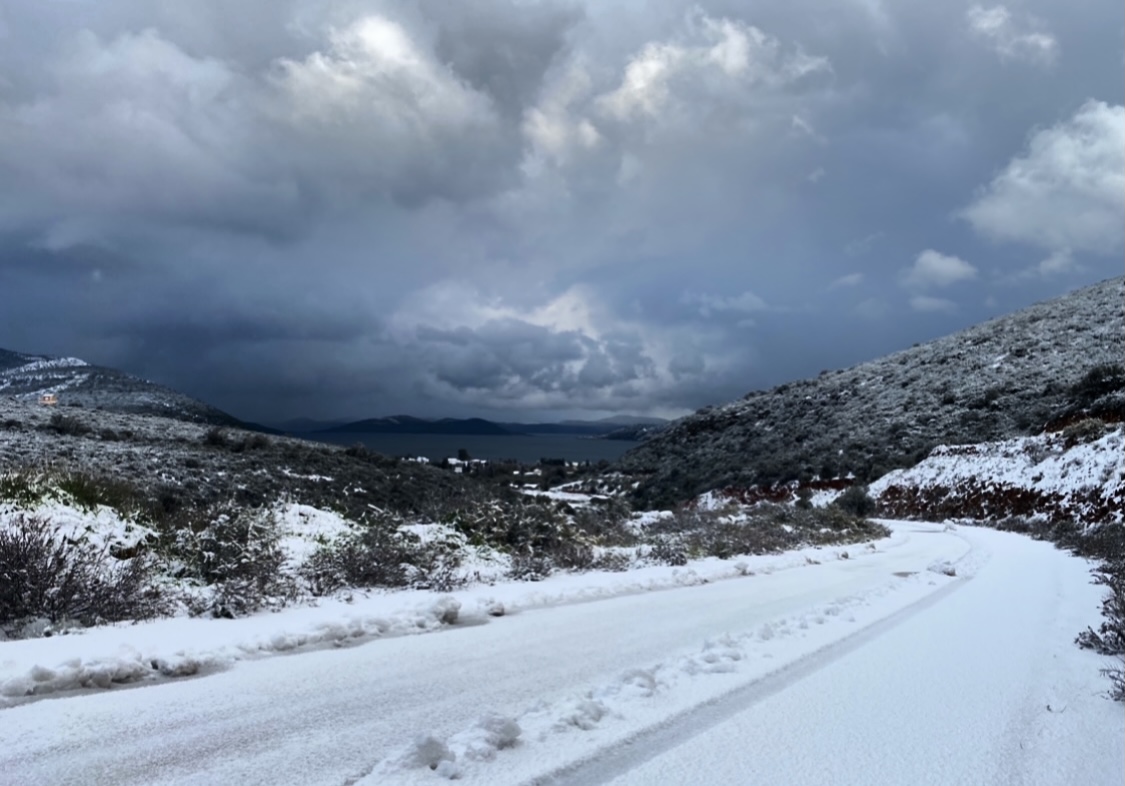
(45, 576)
(1109, 638)
(67, 425)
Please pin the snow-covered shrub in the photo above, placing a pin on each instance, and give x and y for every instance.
(43, 575)
(529, 567)
(1109, 638)
(614, 561)
(607, 523)
(237, 552)
(668, 550)
(380, 554)
(726, 539)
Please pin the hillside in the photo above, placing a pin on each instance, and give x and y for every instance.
(1073, 477)
(79, 384)
(168, 465)
(1044, 366)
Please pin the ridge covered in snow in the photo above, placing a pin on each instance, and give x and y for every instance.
(79, 384)
(1012, 376)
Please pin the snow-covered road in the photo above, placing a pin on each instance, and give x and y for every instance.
(872, 669)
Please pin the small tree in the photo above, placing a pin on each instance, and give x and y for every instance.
(856, 501)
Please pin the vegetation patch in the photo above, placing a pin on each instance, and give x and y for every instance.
(49, 582)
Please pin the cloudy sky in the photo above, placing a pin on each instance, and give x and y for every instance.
(524, 209)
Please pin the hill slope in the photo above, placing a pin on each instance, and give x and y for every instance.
(1015, 375)
(78, 383)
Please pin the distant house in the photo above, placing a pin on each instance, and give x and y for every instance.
(48, 399)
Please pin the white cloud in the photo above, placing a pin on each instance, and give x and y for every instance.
(1011, 39)
(863, 245)
(850, 280)
(815, 175)
(1057, 263)
(552, 127)
(379, 111)
(1067, 191)
(802, 127)
(707, 78)
(718, 55)
(925, 303)
(933, 269)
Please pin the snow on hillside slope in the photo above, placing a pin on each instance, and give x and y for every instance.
(76, 382)
(1050, 476)
(1008, 377)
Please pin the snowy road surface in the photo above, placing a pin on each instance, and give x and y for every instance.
(874, 669)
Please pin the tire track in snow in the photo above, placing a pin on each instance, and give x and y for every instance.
(643, 746)
(639, 698)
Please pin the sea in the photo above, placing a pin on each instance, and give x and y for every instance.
(524, 448)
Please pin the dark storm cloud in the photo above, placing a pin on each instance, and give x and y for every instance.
(358, 207)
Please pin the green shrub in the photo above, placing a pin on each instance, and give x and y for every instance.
(856, 501)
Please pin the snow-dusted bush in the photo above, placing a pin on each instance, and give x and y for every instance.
(380, 554)
(237, 552)
(1109, 638)
(1083, 431)
(44, 575)
(668, 550)
(526, 566)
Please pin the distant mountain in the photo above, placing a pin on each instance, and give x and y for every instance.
(301, 425)
(1039, 368)
(620, 420)
(77, 383)
(405, 424)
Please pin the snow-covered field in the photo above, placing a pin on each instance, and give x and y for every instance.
(799, 668)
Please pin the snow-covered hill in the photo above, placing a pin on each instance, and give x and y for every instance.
(77, 383)
(1049, 364)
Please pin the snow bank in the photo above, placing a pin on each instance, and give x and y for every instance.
(1046, 476)
(100, 527)
(118, 654)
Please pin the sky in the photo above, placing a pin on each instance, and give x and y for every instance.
(525, 209)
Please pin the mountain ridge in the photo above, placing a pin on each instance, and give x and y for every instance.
(77, 383)
(1011, 376)
(408, 424)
